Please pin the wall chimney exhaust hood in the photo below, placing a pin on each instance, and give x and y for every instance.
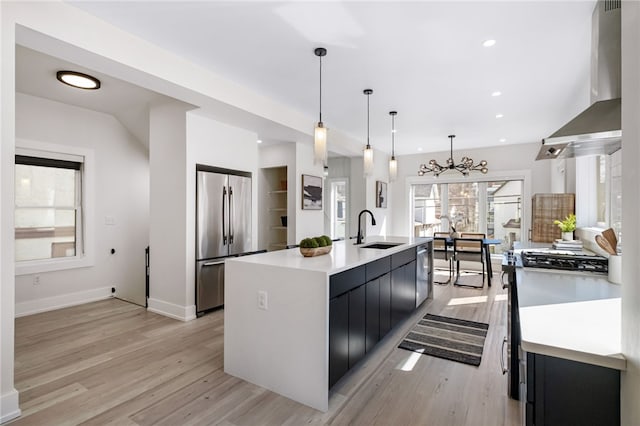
(597, 130)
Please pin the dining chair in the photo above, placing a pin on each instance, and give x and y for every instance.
(442, 252)
(468, 250)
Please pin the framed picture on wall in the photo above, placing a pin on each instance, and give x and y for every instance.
(311, 192)
(381, 194)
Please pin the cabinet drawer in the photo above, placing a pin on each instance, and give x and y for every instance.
(377, 268)
(403, 257)
(345, 281)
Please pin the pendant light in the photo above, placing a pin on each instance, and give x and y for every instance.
(320, 133)
(393, 163)
(368, 151)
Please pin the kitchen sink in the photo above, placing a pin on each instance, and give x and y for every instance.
(381, 245)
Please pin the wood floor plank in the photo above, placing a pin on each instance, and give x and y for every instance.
(114, 363)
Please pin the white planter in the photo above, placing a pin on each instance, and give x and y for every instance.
(567, 236)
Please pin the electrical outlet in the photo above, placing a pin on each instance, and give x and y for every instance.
(36, 280)
(262, 300)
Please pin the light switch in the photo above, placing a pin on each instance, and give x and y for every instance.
(262, 300)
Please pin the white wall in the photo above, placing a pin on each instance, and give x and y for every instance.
(8, 395)
(168, 291)
(121, 192)
(358, 195)
(630, 386)
(383, 215)
(309, 223)
(507, 158)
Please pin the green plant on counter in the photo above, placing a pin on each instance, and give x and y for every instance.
(309, 243)
(315, 242)
(568, 224)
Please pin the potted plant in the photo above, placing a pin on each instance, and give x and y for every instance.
(316, 246)
(567, 226)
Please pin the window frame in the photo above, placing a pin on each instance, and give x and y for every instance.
(85, 228)
(522, 175)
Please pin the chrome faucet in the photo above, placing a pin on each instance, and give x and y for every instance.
(373, 222)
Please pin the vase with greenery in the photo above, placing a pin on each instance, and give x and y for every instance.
(315, 246)
(567, 226)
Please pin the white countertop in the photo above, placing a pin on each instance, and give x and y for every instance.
(344, 255)
(573, 316)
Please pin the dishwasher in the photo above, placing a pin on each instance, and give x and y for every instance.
(423, 262)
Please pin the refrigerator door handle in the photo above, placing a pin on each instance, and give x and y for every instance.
(231, 215)
(224, 202)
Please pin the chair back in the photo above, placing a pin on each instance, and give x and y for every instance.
(472, 235)
(440, 241)
(468, 249)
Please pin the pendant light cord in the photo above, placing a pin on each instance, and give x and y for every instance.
(393, 136)
(368, 145)
(320, 88)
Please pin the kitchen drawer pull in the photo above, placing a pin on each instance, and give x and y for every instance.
(213, 263)
(504, 370)
(504, 284)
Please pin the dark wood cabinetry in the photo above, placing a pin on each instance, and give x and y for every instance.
(565, 392)
(338, 337)
(366, 302)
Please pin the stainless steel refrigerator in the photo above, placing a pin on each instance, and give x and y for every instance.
(223, 228)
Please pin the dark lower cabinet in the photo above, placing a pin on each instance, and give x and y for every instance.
(357, 324)
(372, 326)
(564, 392)
(338, 337)
(385, 304)
(362, 313)
(403, 292)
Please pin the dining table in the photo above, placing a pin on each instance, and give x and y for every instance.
(486, 247)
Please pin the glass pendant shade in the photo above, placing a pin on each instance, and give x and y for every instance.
(320, 144)
(368, 160)
(393, 169)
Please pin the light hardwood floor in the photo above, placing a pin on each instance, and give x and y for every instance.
(112, 362)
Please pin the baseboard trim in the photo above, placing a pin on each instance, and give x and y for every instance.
(171, 310)
(62, 301)
(9, 404)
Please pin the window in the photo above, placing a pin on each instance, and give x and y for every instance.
(491, 207)
(48, 207)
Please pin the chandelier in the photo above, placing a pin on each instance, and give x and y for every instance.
(463, 167)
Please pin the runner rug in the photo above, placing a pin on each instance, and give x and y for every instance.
(448, 338)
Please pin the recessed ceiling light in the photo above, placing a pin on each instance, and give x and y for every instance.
(503, 140)
(496, 93)
(78, 79)
(259, 141)
(488, 43)
(499, 115)
(420, 149)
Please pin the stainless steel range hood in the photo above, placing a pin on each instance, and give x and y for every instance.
(597, 130)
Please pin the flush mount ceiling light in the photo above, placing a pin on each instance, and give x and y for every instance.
(464, 167)
(368, 150)
(393, 163)
(78, 79)
(320, 133)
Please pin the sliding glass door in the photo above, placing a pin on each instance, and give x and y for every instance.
(490, 207)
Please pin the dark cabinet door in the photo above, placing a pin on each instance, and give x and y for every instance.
(372, 314)
(397, 279)
(338, 337)
(409, 287)
(403, 292)
(385, 304)
(357, 324)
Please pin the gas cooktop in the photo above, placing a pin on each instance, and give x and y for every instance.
(564, 260)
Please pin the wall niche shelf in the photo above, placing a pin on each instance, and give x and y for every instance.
(276, 203)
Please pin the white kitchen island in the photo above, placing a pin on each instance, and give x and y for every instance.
(276, 315)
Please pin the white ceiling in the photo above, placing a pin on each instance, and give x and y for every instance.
(423, 59)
